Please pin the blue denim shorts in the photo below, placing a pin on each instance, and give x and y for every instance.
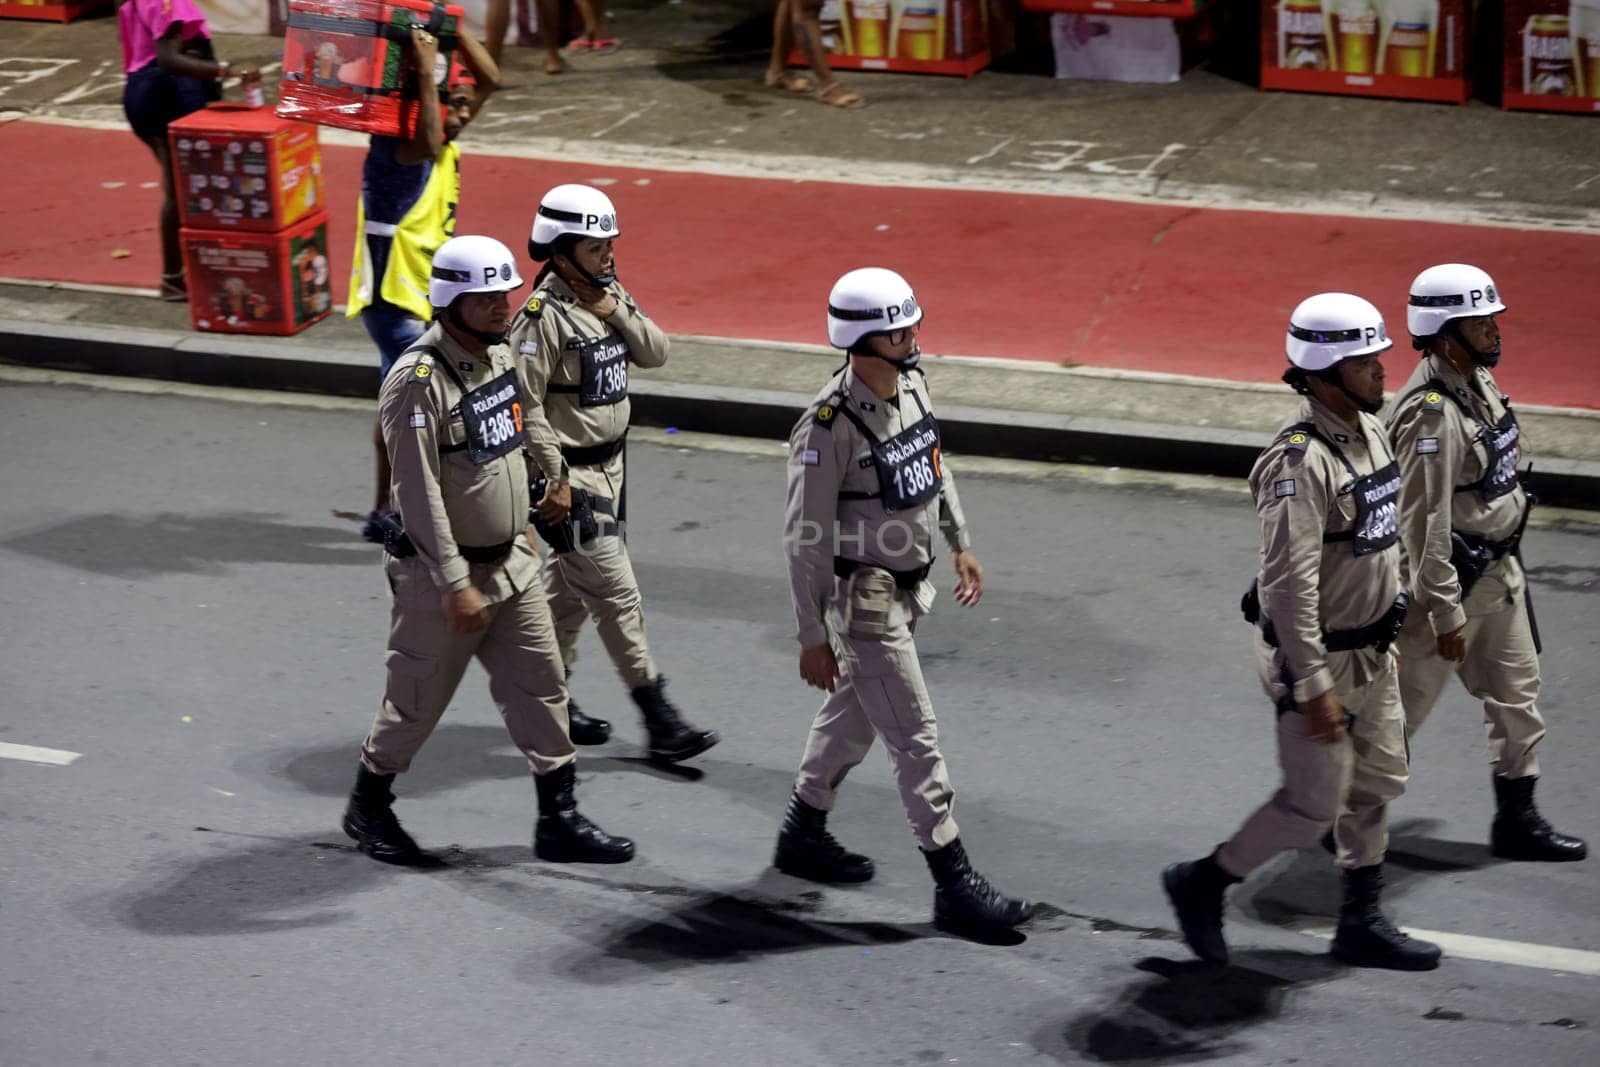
(393, 330)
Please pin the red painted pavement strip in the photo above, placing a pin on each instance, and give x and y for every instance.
(1132, 286)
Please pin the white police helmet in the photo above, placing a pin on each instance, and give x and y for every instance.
(1330, 328)
(575, 209)
(1450, 291)
(867, 301)
(471, 264)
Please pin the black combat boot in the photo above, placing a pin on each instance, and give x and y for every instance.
(807, 850)
(1196, 890)
(1366, 938)
(964, 901)
(369, 820)
(562, 835)
(671, 739)
(581, 728)
(1520, 832)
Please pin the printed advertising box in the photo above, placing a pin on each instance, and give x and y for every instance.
(909, 36)
(244, 168)
(347, 63)
(1412, 49)
(242, 282)
(1552, 55)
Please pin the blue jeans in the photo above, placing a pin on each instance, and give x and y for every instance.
(393, 330)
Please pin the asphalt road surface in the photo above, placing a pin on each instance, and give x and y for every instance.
(186, 609)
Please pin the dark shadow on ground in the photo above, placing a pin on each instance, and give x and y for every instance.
(129, 546)
(1186, 1011)
(254, 884)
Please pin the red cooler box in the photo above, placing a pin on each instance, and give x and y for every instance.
(51, 10)
(244, 168)
(346, 63)
(242, 282)
(1552, 55)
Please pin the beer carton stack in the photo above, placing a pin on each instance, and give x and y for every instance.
(1552, 55)
(347, 63)
(1411, 49)
(254, 227)
(910, 36)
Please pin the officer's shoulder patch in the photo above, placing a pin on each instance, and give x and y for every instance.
(1427, 445)
(1283, 487)
(1432, 400)
(533, 307)
(827, 411)
(1298, 441)
(424, 368)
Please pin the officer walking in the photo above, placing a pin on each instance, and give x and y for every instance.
(1462, 513)
(1328, 603)
(867, 491)
(576, 337)
(463, 573)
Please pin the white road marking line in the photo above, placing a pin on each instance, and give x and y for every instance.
(1487, 949)
(56, 757)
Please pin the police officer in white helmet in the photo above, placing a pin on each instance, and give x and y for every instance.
(1462, 514)
(868, 491)
(576, 339)
(462, 570)
(1327, 603)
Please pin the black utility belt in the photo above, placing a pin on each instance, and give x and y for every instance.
(593, 455)
(906, 580)
(486, 553)
(1379, 635)
(1493, 549)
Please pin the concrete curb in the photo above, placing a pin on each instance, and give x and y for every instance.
(208, 359)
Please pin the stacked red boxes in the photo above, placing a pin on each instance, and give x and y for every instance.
(347, 63)
(1409, 49)
(255, 233)
(52, 10)
(1552, 55)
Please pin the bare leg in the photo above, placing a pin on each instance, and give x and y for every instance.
(495, 24)
(595, 27)
(550, 32)
(171, 250)
(808, 30)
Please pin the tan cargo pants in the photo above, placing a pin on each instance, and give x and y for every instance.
(1349, 782)
(426, 659)
(1501, 669)
(880, 694)
(596, 581)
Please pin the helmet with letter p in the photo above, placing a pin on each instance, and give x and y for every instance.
(1329, 329)
(1442, 297)
(869, 301)
(471, 264)
(572, 210)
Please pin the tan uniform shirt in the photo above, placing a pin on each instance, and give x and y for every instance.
(546, 335)
(1308, 586)
(829, 455)
(1440, 448)
(446, 500)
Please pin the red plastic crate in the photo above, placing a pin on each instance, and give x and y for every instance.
(244, 282)
(238, 167)
(52, 10)
(346, 62)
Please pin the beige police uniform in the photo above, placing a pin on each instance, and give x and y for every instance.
(575, 366)
(1459, 445)
(451, 504)
(1312, 582)
(836, 512)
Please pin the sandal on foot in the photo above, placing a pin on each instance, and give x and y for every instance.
(605, 47)
(789, 81)
(835, 94)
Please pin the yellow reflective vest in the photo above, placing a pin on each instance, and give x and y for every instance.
(429, 223)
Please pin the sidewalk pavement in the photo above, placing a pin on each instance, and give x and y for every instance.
(1103, 233)
(986, 406)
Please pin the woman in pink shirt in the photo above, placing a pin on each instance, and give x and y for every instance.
(166, 54)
